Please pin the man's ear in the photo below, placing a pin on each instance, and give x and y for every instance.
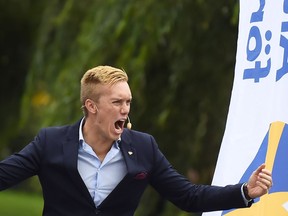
(91, 106)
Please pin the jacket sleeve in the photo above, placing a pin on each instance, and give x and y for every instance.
(21, 165)
(188, 196)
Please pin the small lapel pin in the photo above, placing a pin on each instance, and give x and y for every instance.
(130, 152)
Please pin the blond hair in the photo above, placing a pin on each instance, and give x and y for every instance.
(99, 75)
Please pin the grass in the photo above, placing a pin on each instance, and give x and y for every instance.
(14, 203)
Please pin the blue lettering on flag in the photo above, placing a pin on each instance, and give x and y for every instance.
(255, 42)
(284, 44)
(258, 71)
(258, 15)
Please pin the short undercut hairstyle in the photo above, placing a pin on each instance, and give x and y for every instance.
(99, 75)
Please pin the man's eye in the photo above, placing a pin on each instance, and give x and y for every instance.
(116, 102)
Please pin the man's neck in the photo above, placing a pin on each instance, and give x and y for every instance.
(100, 145)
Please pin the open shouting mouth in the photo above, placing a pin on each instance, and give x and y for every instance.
(119, 125)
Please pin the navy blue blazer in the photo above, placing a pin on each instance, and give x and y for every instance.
(52, 155)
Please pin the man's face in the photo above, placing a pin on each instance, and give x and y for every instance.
(113, 109)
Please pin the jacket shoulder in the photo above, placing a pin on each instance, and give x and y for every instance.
(137, 137)
(54, 130)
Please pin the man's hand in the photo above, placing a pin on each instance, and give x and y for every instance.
(259, 182)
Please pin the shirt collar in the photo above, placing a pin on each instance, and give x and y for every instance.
(81, 138)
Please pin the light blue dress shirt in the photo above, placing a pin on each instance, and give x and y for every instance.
(99, 177)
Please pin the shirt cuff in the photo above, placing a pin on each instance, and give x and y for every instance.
(246, 201)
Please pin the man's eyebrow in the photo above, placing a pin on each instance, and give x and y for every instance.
(121, 99)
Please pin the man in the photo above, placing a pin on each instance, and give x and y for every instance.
(96, 167)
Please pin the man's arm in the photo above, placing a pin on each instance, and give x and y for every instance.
(21, 165)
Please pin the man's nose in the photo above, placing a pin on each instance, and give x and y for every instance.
(125, 108)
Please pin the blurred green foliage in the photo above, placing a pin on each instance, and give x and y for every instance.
(179, 56)
(18, 203)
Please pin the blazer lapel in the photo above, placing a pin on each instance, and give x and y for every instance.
(70, 149)
(130, 155)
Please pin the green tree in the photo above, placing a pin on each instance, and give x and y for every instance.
(18, 24)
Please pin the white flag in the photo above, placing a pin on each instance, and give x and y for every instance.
(256, 130)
